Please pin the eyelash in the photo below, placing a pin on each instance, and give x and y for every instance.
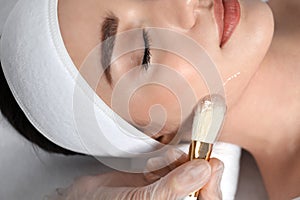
(147, 53)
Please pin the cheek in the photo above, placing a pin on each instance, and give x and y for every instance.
(181, 75)
(154, 106)
(242, 55)
(166, 97)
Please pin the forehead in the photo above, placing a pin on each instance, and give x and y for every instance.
(80, 23)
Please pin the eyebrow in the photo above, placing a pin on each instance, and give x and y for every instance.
(109, 30)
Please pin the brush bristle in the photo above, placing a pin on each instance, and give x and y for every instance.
(208, 119)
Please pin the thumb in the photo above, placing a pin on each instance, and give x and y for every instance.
(180, 182)
(212, 189)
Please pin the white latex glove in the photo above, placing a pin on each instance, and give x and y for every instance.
(175, 181)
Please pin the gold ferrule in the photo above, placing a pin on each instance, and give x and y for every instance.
(199, 150)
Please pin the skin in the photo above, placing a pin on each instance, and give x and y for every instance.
(81, 33)
(268, 112)
(257, 100)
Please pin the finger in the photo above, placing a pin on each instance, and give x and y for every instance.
(176, 158)
(212, 189)
(120, 179)
(173, 157)
(179, 183)
(157, 165)
(183, 180)
(160, 166)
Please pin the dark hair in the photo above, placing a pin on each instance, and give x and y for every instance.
(16, 117)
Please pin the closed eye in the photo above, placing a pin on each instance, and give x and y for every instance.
(147, 53)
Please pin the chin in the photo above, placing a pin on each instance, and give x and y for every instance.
(246, 49)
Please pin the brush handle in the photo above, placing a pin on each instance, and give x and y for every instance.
(199, 150)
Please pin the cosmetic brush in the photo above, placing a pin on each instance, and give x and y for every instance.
(208, 120)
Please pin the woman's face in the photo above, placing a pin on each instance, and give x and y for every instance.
(237, 60)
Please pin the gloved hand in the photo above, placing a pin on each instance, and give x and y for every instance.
(175, 181)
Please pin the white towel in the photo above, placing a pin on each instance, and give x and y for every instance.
(230, 155)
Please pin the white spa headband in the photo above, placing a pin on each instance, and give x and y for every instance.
(39, 72)
(44, 82)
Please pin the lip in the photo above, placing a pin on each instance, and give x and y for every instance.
(164, 138)
(227, 15)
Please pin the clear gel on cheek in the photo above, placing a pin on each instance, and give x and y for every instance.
(231, 78)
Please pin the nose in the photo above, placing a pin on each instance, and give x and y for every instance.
(180, 14)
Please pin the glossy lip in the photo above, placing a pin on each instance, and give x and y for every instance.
(227, 15)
